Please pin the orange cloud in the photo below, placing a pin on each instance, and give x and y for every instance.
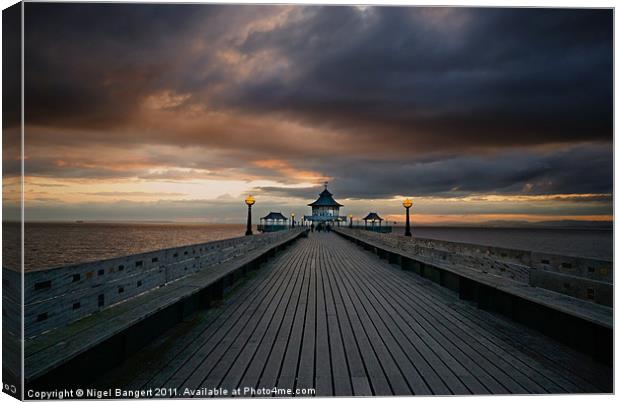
(285, 169)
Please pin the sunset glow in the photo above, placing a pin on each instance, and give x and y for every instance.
(181, 121)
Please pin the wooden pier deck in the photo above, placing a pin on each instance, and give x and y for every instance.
(326, 314)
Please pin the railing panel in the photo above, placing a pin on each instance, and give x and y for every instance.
(57, 296)
(585, 278)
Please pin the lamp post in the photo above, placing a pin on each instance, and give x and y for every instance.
(407, 204)
(249, 201)
(293, 219)
(350, 221)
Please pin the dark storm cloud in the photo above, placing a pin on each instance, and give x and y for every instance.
(421, 77)
(462, 78)
(578, 170)
(90, 65)
(87, 64)
(394, 100)
(11, 68)
(442, 77)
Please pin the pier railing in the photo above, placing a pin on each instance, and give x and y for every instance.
(58, 296)
(566, 298)
(269, 228)
(583, 278)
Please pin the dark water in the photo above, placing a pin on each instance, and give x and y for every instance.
(55, 244)
(592, 243)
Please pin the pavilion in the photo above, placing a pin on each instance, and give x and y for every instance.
(273, 222)
(325, 209)
(373, 217)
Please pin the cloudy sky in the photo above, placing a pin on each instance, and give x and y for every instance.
(176, 112)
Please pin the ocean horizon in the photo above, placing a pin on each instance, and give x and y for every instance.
(52, 244)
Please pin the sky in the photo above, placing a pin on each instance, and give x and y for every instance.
(177, 112)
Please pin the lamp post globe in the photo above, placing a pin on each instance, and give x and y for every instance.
(293, 219)
(350, 221)
(407, 203)
(249, 201)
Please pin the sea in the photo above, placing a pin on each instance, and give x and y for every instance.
(50, 245)
(589, 243)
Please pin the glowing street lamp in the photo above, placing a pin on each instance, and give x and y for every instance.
(350, 221)
(293, 219)
(407, 204)
(249, 201)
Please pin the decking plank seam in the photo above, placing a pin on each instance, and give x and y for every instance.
(515, 387)
(224, 326)
(436, 302)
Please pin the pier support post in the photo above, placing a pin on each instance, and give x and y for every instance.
(468, 289)
(406, 264)
(394, 258)
(217, 290)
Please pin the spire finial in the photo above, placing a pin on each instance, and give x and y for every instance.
(325, 184)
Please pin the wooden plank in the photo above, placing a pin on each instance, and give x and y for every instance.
(228, 311)
(323, 377)
(228, 325)
(288, 372)
(507, 369)
(294, 315)
(376, 324)
(501, 354)
(341, 377)
(305, 371)
(554, 387)
(55, 293)
(256, 368)
(476, 364)
(581, 309)
(360, 381)
(453, 381)
(423, 356)
(326, 314)
(231, 367)
(96, 329)
(382, 349)
(402, 375)
(456, 346)
(152, 359)
(100, 323)
(521, 373)
(445, 354)
(49, 357)
(374, 371)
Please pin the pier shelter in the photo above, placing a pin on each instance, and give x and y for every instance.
(325, 209)
(273, 222)
(373, 218)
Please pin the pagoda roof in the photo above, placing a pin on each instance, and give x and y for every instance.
(275, 216)
(372, 216)
(325, 200)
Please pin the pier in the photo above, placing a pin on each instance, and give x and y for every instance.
(330, 313)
